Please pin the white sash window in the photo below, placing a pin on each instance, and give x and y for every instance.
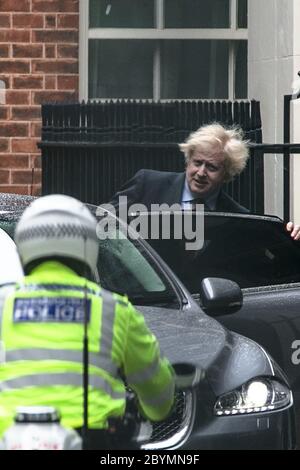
(163, 49)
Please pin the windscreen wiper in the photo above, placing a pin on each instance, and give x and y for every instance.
(150, 299)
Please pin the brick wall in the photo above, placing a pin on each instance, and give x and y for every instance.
(38, 64)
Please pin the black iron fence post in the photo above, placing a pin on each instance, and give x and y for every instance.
(286, 156)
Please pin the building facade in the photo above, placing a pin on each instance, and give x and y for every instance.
(273, 64)
(38, 64)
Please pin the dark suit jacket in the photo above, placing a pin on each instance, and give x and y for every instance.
(157, 187)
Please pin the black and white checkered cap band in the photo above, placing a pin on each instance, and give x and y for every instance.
(56, 231)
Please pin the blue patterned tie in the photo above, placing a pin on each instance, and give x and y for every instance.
(197, 200)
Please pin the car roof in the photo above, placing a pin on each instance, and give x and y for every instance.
(12, 203)
(10, 200)
(250, 216)
(233, 215)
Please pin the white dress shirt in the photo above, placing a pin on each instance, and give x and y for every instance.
(188, 196)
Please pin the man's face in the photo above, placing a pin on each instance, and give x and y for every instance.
(205, 172)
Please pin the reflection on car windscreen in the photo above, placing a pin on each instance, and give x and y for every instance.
(125, 267)
(250, 252)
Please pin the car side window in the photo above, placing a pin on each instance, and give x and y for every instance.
(251, 252)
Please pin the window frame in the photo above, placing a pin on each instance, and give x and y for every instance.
(231, 34)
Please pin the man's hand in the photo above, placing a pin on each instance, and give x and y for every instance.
(294, 230)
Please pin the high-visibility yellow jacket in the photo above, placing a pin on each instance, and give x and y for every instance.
(42, 329)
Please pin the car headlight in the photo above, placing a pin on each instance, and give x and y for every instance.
(257, 395)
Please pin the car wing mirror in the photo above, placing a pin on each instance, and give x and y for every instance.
(220, 296)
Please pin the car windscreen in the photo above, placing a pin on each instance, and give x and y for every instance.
(124, 265)
(250, 251)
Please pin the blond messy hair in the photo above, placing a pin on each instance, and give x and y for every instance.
(214, 138)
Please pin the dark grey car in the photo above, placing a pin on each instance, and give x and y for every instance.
(257, 253)
(244, 402)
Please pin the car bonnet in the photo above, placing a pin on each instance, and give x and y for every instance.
(229, 359)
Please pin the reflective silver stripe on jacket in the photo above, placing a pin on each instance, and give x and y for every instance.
(164, 396)
(43, 354)
(145, 374)
(40, 380)
(107, 325)
(4, 292)
(58, 287)
(1, 313)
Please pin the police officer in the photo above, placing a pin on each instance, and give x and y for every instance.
(42, 327)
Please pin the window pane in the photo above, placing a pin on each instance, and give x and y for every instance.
(197, 14)
(241, 75)
(194, 69)
(243, 14)
(121, 13)
(120, 69)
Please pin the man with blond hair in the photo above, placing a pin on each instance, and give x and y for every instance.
(214, 155)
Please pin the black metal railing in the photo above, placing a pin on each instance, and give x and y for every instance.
(144, 121)
(93, 172)
(286, 150)
(90, 149)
